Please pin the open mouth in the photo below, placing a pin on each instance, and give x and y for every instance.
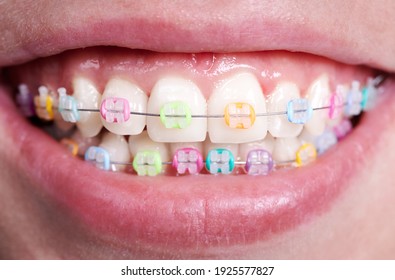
(209, 149)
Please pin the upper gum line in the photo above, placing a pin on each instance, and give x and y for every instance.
(146, 68)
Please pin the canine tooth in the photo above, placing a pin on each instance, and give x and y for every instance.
(266, 144)
(318, 95)
(148, 156)
(285, 149)
(88, 97)
(240, 94)
(117, 147)
(121, 97)
(176, 96)
(280, 126)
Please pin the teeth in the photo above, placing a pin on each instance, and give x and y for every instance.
(318, 95)
(84, 143)
(240, 94)
(88, 97)
(285, 149)
(176, 96)
(148, 155)
(187, 157)
(117, 148)
(220, 157)
(121, 97)
(280, 126)
(265, 144)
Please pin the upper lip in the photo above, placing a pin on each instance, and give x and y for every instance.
(227, 27)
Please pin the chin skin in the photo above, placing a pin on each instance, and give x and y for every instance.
(359, 224)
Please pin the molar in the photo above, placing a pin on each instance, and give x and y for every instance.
(88, 97)
(121, 97)
(176, 96)
(280, 126)
(240, 94)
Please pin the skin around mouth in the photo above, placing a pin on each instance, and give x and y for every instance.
(56, 206)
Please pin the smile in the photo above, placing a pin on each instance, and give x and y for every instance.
(211, 147)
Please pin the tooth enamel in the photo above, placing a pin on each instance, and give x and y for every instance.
(148, 156)
(178, 96)
(116, 92)
(187, 157)
(118, 149)
(280, 126)
(176, 146)
(208, 146)
(84, 142)
(337, 112)
(240, 94)
(266, 144)
(88, 97)
(318, 95)
(285, 149)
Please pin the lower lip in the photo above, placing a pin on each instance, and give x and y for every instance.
(190, 211)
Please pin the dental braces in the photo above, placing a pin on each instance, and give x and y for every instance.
(190, 160)
(177, 114)
(221, 160)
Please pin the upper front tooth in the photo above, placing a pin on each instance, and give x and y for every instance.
(176, 96)
(238, 95)
(121, 97)
(88, 97)
(318, 95)
(118, 149)
(280, 126)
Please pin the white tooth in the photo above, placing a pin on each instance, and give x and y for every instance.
(208, 146)
(84, 142)
(174, 89)
(341, 90)
(241, 88)
(142, 142)
(306, 137)
(318, 95)
(266, 144)
(120, 88)
(117, 147)
(176, 146)
(285, 149)
(279, 126)
(88, 97)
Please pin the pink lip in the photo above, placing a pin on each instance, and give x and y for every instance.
(190, 212)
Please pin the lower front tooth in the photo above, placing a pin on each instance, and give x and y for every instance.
(118, 150)
(88, 97)
(187, 157)
(285, 149)
(220, 157)
(120, 97)
(148, 156)
(280, 126)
